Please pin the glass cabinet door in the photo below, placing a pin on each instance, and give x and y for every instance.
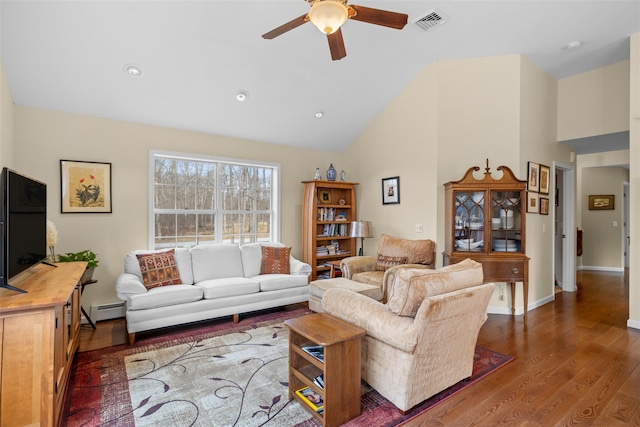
(506, 221)
(469, 220)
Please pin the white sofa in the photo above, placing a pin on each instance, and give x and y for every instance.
(217, 280)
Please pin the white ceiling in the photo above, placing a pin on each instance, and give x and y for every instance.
(196, 55)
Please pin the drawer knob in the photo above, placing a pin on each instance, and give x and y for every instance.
(515, 270)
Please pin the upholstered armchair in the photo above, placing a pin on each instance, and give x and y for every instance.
(423, 339)
(392, 252)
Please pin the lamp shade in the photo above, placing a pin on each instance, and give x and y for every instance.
(328, 15)
(362, 229)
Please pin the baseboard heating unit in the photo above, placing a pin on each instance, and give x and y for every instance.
(107, 311)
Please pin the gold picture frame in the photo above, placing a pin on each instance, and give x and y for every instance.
(324, 197)
(602, 202)
(544, 205)
(544, 179)
(85, 187)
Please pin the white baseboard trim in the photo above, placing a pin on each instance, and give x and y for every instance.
(520, 310)
(635, 324)
(598, 268)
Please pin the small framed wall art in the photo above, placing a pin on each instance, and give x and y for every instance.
(85, 187)
(533, 177)
(532, 202)
(544, 179)
(391, 190)
(602, 203)
(544, 206)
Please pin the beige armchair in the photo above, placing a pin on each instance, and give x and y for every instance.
(392, 252)
(423, 340)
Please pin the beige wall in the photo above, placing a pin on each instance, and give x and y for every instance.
(453, 116)
(401, 141)
(602, 241)
(6, 121)
(634, 184)
(43, 137)
(601, 109)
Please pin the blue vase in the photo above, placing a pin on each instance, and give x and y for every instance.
(331, 173)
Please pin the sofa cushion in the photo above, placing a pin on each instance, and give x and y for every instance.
(159, 269)
(182, 256)
(252, 257)
(164, 296)
(275, 282)
(386, 262)
(369, 277)
(275, 260)
(216, 261)
(228, 287)
(410, 286)
(416, 251)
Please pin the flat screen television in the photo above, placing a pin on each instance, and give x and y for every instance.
(23, 225)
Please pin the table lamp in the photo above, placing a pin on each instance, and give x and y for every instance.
(363, 230)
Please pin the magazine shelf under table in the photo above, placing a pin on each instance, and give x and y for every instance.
(340, 371)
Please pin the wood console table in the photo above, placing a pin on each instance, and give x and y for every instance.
(39, 335)
(341, 367)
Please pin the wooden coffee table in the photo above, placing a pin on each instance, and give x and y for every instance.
(341, 367)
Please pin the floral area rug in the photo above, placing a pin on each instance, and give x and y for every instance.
(217, 375)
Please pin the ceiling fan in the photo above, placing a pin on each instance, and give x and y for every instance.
(329, 15)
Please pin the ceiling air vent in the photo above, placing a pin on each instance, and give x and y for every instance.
(431, 20)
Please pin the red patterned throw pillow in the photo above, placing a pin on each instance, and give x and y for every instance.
(159, 269)
(386, 262)
(275, 260)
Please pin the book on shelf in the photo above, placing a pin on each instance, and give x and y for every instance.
(316, 351)
(319, 381)
(311, 398)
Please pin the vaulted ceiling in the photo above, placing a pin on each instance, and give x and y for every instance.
(195, 56)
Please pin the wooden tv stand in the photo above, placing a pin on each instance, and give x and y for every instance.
(39, 335)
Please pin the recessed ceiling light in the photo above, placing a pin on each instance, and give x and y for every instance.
(573, 45)
(319, 115)
(242, 96)
(133, 70)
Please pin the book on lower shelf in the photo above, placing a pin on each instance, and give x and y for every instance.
(311, 398)
(316, 351)
(319, 381)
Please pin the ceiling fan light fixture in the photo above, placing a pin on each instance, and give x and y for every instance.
(328, 15)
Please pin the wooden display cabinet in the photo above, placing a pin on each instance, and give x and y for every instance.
(39, 336)
(485, 220)
(341, 367)
(327, 211)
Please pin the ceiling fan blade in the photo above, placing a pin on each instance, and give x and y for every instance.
(294, 23)
(378, 17)
(336, 45)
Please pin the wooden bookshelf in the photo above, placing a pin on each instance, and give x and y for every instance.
(327, 211)
(341, 367)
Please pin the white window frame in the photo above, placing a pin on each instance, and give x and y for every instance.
(275, 194)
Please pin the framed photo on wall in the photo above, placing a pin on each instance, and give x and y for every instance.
(544, 206)
(533, 177)
(85, 187)
(544, 179)
(391, 190)
(532, 202)
(602, 202)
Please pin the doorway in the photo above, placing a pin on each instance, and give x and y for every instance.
(625, 221)
(564, 248)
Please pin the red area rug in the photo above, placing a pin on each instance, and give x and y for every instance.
(125, 385)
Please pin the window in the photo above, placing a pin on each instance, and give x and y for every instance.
(199, 200)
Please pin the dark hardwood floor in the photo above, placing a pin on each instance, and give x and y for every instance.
(576, 363)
